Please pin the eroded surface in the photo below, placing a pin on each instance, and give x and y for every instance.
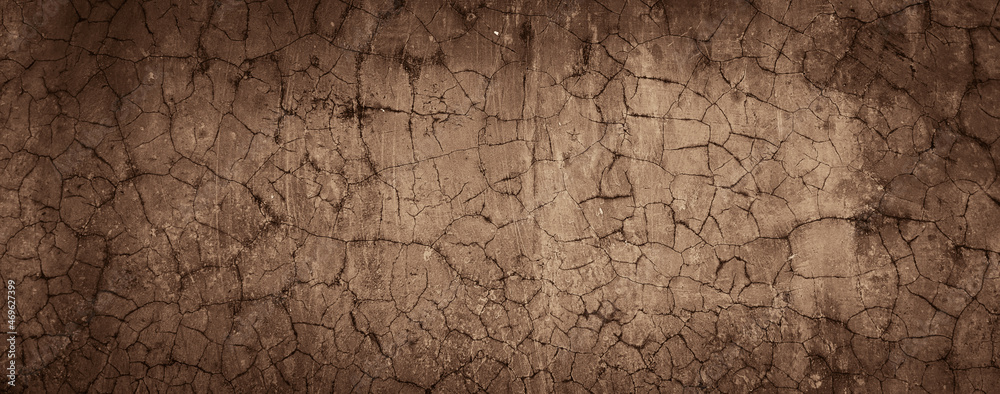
(586, 196)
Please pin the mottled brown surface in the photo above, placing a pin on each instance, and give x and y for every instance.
(588, 196)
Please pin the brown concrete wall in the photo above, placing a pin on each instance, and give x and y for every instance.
(581, 196)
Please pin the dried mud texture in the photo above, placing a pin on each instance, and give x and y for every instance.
(583, 196)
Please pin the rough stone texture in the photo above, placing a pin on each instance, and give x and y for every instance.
(502, 196)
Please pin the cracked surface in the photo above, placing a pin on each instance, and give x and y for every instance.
(592, 196)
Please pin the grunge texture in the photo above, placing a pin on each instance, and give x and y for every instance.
(502, 196)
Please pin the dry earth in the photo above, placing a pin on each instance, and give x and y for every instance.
(585, 196)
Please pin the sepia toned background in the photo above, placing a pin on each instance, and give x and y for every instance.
(503, 196)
